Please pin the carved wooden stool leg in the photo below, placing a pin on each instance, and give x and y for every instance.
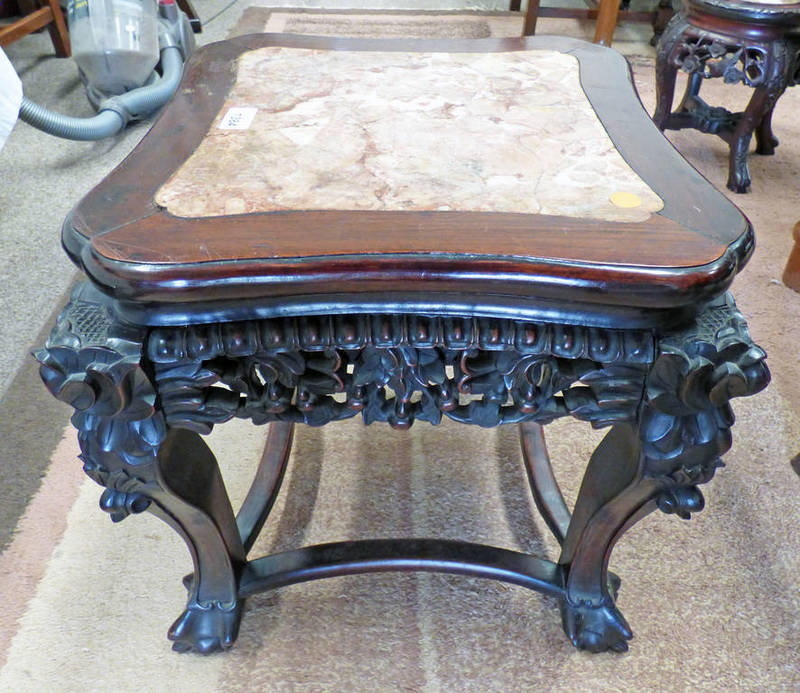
(765, 139)
(191, 498)
(612, 494)
(546, 493)
(94, 364)
(759, 107)
(545, 490)
(666, 71)
(682, 430)
(266, 484)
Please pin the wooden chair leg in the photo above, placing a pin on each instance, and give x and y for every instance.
(606, 22)
(47, 15)
(791, 275)
(58, 31)
(531, 15)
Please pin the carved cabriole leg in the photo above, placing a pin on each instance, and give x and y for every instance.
(190, 496)
(760, 105)
(545, 490)
(94, 364)
(772, 81)
(765, 139)
(611, 494)
(683, 429)
(666, 71)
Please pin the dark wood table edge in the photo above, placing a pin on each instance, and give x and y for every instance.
(634, 302)
(661, 166)
(599, 295)
(447, 304)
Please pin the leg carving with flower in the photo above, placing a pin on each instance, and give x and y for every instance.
(683, 429)
(94, 364)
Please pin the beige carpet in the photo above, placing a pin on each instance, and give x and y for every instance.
(713, 602)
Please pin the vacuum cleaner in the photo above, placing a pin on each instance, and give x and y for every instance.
(130, 56)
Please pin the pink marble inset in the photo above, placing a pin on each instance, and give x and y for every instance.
(346, 130)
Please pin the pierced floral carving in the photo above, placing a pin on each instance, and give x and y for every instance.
(715, 56)
(397, 369)
(755, 46)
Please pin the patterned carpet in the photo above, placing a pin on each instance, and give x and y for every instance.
(713, 602)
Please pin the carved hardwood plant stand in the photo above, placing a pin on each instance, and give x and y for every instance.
(753, 43)
(607, 304)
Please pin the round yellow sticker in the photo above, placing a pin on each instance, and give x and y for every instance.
(626, 200)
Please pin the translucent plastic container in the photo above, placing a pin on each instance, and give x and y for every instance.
(114, 42)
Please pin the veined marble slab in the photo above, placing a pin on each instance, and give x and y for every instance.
(347, 130)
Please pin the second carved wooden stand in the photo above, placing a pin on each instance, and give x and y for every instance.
(756, 44)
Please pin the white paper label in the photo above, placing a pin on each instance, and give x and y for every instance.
(238, 118)
(10, 97)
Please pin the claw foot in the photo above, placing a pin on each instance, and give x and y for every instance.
(206, 628)
(766, 145)
(595, 628)
(739, 177)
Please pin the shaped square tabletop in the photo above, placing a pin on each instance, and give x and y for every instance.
(513, 173)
